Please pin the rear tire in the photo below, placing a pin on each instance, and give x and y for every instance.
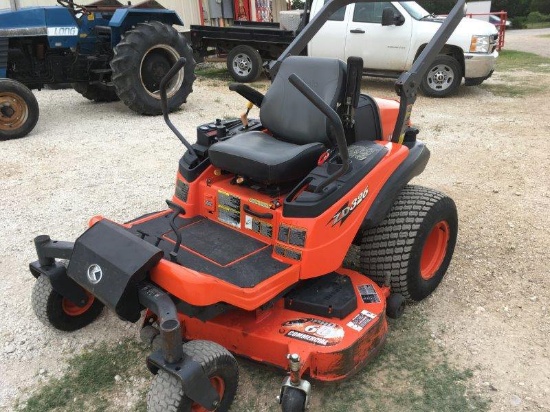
(166, 393)
(244, 63)
(52, 309)
(414, 244)
(142, 58)
(18, 110)
(99, 92)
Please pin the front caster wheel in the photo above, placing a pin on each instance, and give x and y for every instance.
(52, 309)
(166, 393)
(293, 400)
(395, 306)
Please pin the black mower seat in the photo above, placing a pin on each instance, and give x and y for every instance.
(300, 131)
(274, 161)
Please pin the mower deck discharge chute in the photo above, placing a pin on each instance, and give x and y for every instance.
(248, 257)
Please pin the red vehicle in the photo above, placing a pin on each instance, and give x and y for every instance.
(248, 258)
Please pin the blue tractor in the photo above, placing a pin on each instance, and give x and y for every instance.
(106, 50)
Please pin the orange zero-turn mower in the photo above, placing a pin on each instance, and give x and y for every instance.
(248, 258)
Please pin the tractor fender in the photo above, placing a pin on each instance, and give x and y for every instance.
(412, 166)
(124, 19)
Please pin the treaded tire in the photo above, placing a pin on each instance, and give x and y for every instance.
(244, 63)
(142, 58)
(48, 306)
(446, 67)
(166, 393)
(18, 110)
(398, 245)
(96, 92)
(293, 400)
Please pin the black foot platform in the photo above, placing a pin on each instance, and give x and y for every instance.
(214, 249)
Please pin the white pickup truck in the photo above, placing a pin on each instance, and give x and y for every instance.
(388, 36)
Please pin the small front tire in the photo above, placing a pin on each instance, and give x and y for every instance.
(293, 400)
(52, 309)
(18, 110)
(166, 393)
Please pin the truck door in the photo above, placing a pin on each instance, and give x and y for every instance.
(381, 47)
(331, 39)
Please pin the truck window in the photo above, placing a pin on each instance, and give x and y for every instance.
(370, 12)
(337, 15)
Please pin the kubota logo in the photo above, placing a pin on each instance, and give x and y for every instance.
(95, 273)
(346, 210)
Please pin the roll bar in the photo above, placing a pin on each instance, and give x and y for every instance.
(408, 83)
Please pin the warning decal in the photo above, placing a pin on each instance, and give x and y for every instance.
(229, 209)
(368, 294)
(314, 331)
(361, 320)
(258, 226)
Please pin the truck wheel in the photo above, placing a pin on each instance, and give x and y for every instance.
(414, 244)
(18, 110)
(244, 64)
(293, 400)
(52, 309)
(166, 393)
(142, 58)
(99, 92)
(443, 77)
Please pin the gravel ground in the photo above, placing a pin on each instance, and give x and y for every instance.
(491, 154)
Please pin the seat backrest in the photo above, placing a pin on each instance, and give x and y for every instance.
(288, 114)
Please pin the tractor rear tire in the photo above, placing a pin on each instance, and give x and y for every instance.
(52, 309)
(18, 110)
(414, 244)
(166, 393)
(97, 92)
(142, 58)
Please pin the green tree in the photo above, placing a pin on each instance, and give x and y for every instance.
(542, 6)
(437, 6)
(515, 8)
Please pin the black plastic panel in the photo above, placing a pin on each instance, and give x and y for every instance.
(329, 296)
(109, 261)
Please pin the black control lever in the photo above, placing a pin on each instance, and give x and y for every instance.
(164, 102)
(335, 122)
(176, 211)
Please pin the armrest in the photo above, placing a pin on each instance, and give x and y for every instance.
(248, 93)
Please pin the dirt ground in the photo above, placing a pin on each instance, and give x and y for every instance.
(489, 153)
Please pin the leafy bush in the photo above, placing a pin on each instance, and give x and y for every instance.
(541, 6)
(537, 17)
(519, 22)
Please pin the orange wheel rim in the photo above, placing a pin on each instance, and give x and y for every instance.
(13, 111)
(434, 250)
(72, 309)
(218, 384)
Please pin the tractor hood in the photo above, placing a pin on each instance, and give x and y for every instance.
(38, 21)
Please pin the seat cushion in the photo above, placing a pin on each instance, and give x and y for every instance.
(263, 158)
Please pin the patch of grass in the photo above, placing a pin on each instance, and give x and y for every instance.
(513, 89)
(513, 60)
(411, 373)
(89, 380)
(544, 36)
(537, 25)
(213, 73)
